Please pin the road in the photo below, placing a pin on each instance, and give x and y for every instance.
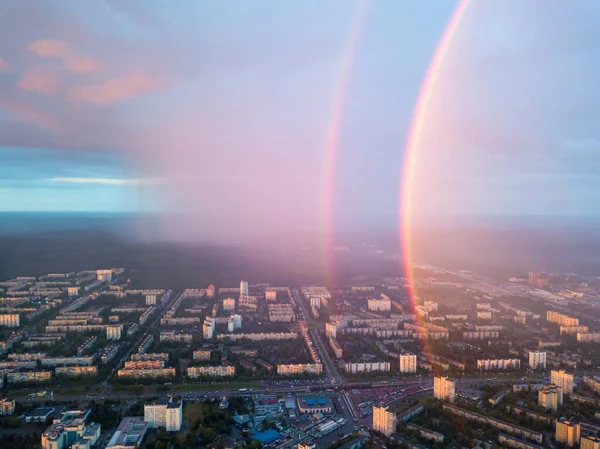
(330, 366)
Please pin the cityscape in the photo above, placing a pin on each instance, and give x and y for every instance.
(88, 361)
(299, 224)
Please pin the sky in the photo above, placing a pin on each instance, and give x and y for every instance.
(264, 114)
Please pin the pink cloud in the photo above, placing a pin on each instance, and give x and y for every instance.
(4, 66)
(49, 48)
(38, 81)
(27, 114)
(115, 89)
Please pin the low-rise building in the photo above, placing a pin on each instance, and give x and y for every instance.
(195, 372)
(367, 367)
(129, 434)
(300, 368)
(148, 373)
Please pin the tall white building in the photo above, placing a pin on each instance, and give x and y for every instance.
(150, 300)
(72, 291)
(563, 380)
(408, 363)
(208, 328)
(444, 389)
(244, 288)
(210, 291)
(237, 321)
(167, 414)
(384, 421)
(537, 360)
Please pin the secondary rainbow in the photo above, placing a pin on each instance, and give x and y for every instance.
(332, 136)
(413, 142)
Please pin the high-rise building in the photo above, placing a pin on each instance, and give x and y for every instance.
(567, 432)
(444, 389)
(408, 363)
(537, 360)
(165, 413)
(244, 288)
(150, 300)
(563, 380)
(550, 397)
(72, 291)
(208, 328)
(384, 421)
(589, 442)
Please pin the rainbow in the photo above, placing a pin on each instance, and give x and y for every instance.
(332, 136)
(413, 142)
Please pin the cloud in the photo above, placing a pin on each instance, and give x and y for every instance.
(109, 181)
(38, 81)
(115, 89)
(49, 48)
(24, 113)
(4, 65)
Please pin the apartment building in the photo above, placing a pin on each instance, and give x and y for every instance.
(367, 367)
(563, 380)
(195, 372)
(335, 346)
(384, 420)
(550, 397)
(567, 432)
(537, 360)
(202, 354)
(76, 371)
(208, 328)
(569, 330)
(444, 389)
(148, 373)
(300, 368)
(10, 319)
(498, 364)
(408, 363)
(28, 376)
(114, 331)
(164, 413)
(561, 319)
(379, 305)
(588, 337)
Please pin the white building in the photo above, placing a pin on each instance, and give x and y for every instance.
(444, 389)
(72, 291)
(113, 331)
(167, 414)
(150, 300)
(484, 315)
(244, 288)
(537, 360)
(208, 328)
(408, 363)
(384, 421)
(237, 321)
(379, 305)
